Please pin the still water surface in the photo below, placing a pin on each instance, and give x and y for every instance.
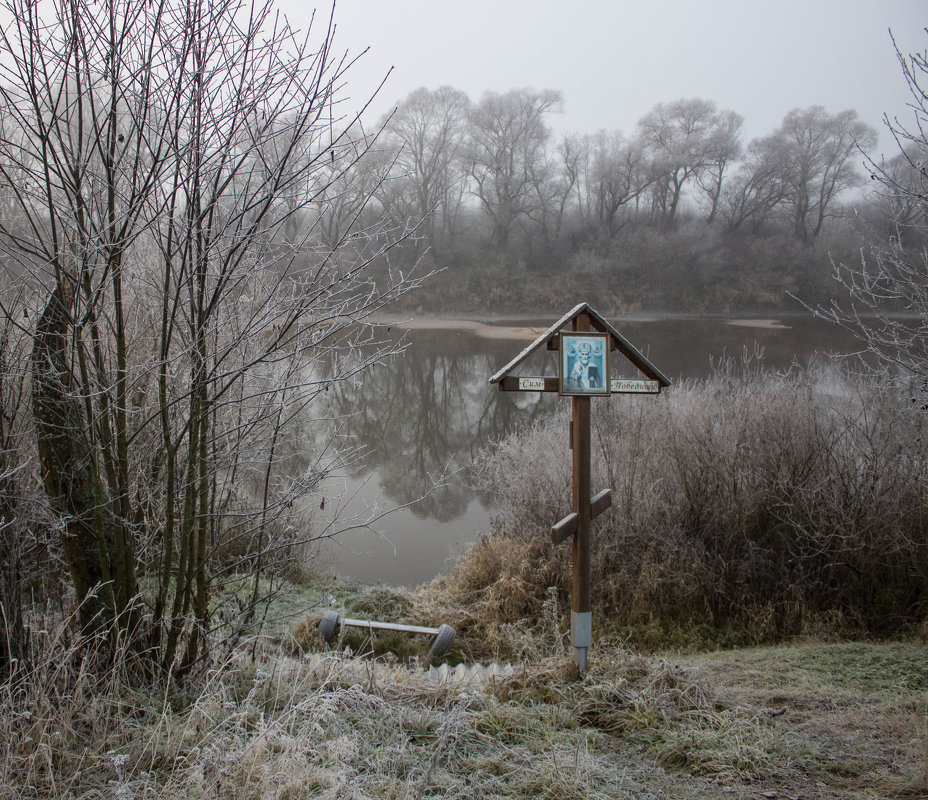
(429, 411)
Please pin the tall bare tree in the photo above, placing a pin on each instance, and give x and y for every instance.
(889, 286)
(575, 158)
(620, 175)
(723, 148)
(758, 188)
(679, 139)
(424, 139)
(823, 152)
(898, 197)
(507, 137)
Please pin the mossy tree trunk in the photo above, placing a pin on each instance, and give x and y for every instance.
(67, 436)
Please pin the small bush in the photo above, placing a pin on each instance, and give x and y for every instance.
(761, 505)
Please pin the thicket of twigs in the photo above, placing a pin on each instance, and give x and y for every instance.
(753, 504)
(174, 309)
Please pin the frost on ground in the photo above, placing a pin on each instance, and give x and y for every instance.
(812, 720)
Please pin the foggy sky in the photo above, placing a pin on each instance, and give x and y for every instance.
(613, 60)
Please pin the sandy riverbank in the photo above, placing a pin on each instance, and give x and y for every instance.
(483, 329)
(489, 329)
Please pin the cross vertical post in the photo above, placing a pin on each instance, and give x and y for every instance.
(581, 617)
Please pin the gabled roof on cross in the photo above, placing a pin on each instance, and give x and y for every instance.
(597, 323)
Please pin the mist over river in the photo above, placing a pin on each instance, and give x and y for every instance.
(428, 412)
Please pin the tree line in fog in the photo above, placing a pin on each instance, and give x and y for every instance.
(484, 187)
(495, 165)
(490, 182)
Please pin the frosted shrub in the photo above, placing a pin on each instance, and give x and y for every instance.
(764, 503)
(525, 477)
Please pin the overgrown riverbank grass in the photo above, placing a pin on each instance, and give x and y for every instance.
(811, 720)
(747, 508)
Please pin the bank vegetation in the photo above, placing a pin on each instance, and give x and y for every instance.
(752, 506)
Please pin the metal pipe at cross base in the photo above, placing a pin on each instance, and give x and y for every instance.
(581, 636)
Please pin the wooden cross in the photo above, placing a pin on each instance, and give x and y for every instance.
(577, 524)
(585, 508)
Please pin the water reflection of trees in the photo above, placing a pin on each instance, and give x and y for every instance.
(425, 414)
(422, 417)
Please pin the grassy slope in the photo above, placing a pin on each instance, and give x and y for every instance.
(854, 715)
(634, 727)
(813, 720)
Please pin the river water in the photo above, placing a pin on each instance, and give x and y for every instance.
(424, 416)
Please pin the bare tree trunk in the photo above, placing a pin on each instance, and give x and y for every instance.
(66, 462)
(12, 630)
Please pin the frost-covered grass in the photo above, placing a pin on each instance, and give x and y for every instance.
(823, 720)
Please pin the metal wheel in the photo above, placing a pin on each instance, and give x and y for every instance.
(327, 625)
(443, 640)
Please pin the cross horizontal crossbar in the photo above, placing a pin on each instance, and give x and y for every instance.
(564, 529)
(600, 503)
(511, 383)
(567, 527)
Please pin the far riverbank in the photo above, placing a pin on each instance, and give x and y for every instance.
(530, 327)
